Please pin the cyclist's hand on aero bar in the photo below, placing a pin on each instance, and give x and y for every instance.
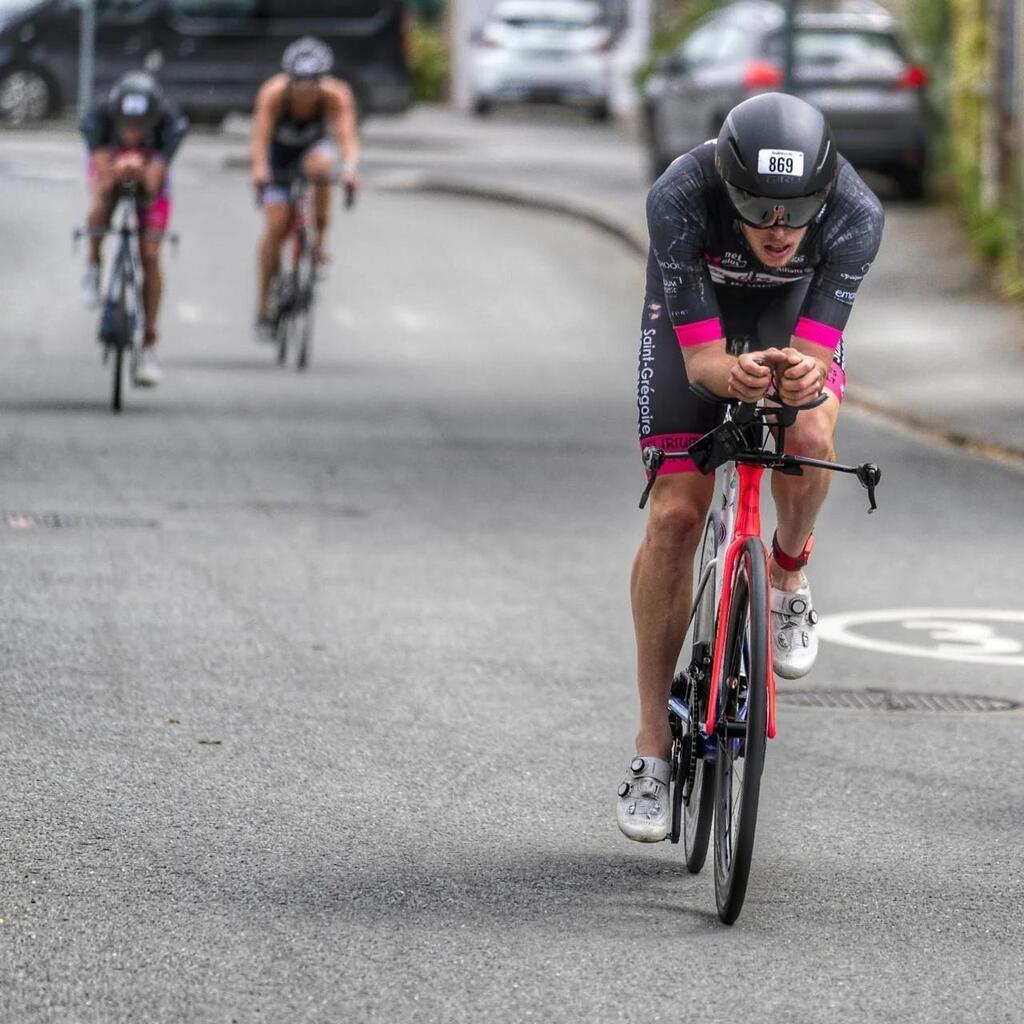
(129, 166)
(751, 375)
(799, 378)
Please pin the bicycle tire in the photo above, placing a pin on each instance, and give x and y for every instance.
(305, 282)
(304, 329)
(121, 340)
(117, 389)
(746, 647)
(698, 807)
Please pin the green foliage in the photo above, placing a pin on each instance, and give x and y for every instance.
(995, 229)
(429, 62)
(667, 40)
(426, 10)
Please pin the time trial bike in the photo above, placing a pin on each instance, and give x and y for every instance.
(122, 320)
(722, 704)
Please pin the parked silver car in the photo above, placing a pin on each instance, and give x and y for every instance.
(543, 50)
(851, 63)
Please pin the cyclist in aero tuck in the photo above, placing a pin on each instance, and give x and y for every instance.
(294, 110)
(133, 135)
(761, 237)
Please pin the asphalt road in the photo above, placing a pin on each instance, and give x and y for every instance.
(314, 701)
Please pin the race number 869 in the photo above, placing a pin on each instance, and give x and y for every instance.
(780, 161)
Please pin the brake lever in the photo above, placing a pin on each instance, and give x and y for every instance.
(654, 459)
(869, 475)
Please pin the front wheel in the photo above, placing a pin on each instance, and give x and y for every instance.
(117, 386)
(742, 729)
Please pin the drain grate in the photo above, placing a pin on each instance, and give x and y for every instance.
(894, 700)
(75, 521)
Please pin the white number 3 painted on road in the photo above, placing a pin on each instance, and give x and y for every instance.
(954, 634)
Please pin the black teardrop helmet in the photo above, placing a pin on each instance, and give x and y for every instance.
(776, 146)
(136, 96)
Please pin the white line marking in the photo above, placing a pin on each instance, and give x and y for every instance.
(958, 634)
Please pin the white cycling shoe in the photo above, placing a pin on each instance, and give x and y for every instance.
(794, 638)
(147, 370)
(644, 811)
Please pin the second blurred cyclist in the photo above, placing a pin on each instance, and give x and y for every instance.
(289, 135)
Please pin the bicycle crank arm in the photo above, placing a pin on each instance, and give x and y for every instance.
(678, 708)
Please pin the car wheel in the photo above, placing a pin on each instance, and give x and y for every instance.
(482, 107)
(24, 96)
(600, 112)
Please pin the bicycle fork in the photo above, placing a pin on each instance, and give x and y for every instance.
(748, 524)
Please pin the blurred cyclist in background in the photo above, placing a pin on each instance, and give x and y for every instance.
(132, 136)
(289, 136)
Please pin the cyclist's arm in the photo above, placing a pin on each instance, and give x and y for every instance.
(677, 222)
(268, 101)
(853, 235)
(171, 132)
(343, 110)
(97, 132)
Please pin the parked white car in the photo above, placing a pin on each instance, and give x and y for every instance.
(543, 50)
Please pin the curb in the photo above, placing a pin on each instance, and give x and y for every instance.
(589, 213)
(862, 400)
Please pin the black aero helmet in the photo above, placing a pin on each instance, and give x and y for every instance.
(776, 156)
(307, 57)
(136, 97)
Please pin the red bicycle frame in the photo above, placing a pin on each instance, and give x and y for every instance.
(748, 524)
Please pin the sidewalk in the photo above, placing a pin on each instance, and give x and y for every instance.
(929, 343)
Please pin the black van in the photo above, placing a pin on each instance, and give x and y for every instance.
(211, 55)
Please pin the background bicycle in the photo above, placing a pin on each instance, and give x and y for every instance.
(122, 320)
(293, 291)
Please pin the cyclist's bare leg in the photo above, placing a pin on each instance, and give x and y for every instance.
(97, 222)
(278, 221)
(798, 499)
(319, 163)
(662, 591)
(152, 281)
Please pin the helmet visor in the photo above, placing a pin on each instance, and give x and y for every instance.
(764, 211)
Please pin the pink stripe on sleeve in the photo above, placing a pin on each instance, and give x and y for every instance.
(817, 332)
(700, 333)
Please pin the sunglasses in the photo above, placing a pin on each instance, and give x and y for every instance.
(763, 212)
